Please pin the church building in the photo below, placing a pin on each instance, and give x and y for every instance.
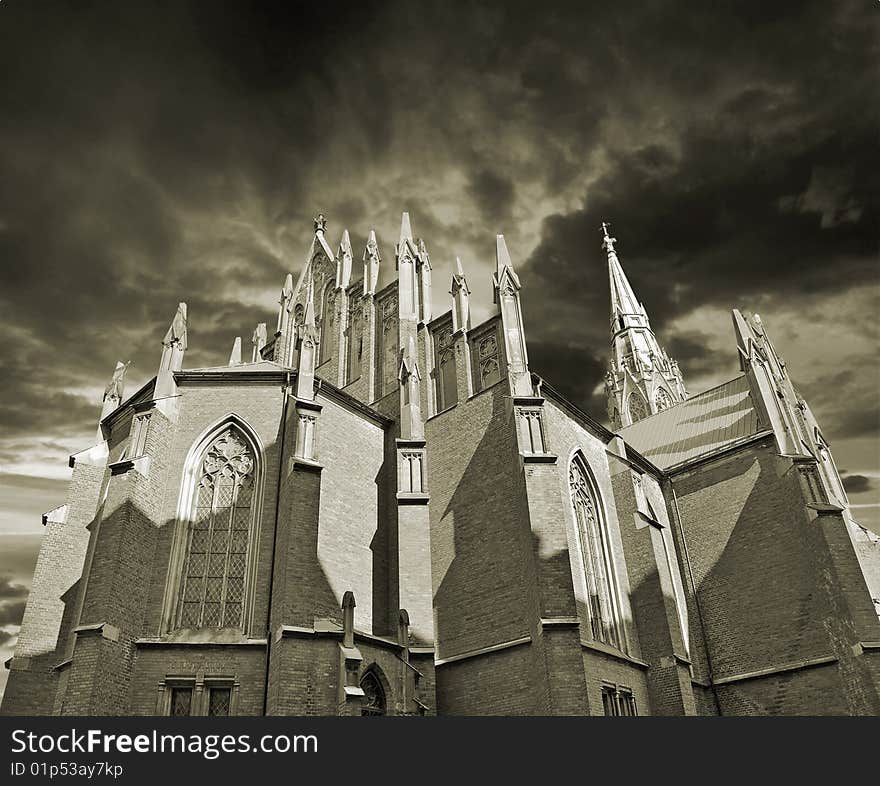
(380, 509)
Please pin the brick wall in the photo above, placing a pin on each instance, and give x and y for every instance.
(776, 589)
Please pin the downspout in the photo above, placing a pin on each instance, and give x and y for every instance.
(687, 559)
(275, 540)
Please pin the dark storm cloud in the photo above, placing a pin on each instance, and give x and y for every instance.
(12, 601)
(151, 153)
(572, 371)
(857, 484)
(493, 193)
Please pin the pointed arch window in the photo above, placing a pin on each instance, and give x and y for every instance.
(355, 343)
(374, 696)
(663, 400)
(327, 306)
(219, 535)
(638, 407)
(596, 560)
(447, 391)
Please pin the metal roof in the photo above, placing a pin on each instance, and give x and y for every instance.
(704, 424)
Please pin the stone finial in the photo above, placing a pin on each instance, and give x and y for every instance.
(177, 330)
(320, 223)
(259, 341)
(174, 343)
(235, 355)
(371, 258)
(460, 299)
(113, 395)
(343, 261)
(348, 606)
(116, 386)
(308, 349)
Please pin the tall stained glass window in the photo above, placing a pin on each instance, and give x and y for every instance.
(595, 557)
(215, 563)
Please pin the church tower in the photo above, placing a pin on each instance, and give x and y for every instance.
(642, 379)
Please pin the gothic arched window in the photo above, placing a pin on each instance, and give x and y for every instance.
(213, 585)
(638, 407)
(327, 315)
(355, 344)
(374, 695)
(595, 552)
(447, 391)
(663, 400)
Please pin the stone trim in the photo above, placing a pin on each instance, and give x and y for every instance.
(605, 649)
(560, 622)
(539, 458)
(103, 629)
(198, 643)
(772, 670)
(506, 645)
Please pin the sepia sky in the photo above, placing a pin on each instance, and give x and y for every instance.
(156, 152)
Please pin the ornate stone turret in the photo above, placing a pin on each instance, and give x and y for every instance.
(507, 288)
(235, 354)
(259, 341)
(424, 275)
(284, 303)
(642, 379)
(173, 348)
(411, 425)
(344, 258)
(408, 288)
(372, 259)
(307, 344)
(174, 343)
(461, 308)
(113, 394)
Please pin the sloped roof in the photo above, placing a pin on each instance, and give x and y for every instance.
(704, 424)
(237, 368)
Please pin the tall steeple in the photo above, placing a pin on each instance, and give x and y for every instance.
(642, 379)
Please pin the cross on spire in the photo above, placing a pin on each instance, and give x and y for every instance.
(608, 241)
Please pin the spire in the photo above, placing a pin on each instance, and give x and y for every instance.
(504, 271)
(424, 275)
(259, 341)
(284, 303)
(308, 349)
(407, 279)
(461, 310)
(405, 229)
(507, 288)
(235, 355)
(623, 299)
(343, 261)
(372, 258)
(642, 379)
(113, 394)
(174, 343)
